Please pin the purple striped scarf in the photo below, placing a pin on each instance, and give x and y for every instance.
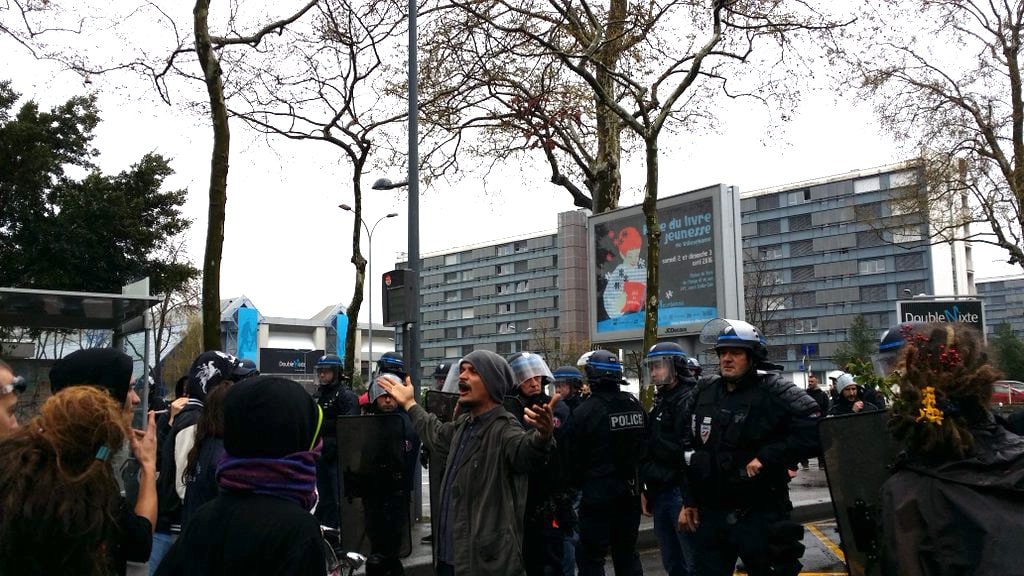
(292, 477)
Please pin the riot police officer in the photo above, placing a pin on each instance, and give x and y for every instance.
(662, 468)
(744, 429)
(609, 431)
(568, 383)
(441, 374)
(335, 399)
(549, 497)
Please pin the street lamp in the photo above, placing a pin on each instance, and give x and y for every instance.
(369, 263)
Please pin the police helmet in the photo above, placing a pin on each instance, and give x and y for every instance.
(441, 372)
(891, 343)
(670, 356)
(527, 365)
(568, 375)
(725, 333)
(330, 362)
(694, 366)
(391, 363)
(601, 366)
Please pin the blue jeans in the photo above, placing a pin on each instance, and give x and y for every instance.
(676, 546)
(162, 542)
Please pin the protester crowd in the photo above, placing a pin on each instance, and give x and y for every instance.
(535, 472)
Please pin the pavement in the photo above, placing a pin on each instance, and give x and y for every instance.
(812, 506)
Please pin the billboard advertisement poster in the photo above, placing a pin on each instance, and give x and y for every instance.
(691, 265)
(967, 311)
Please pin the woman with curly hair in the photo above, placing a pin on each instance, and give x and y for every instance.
(61, 511)
(955, 503)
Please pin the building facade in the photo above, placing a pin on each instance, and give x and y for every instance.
(819, 253)
(1004, 303)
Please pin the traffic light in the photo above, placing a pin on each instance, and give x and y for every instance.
(399, 290)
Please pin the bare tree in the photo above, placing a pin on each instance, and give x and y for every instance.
(334, 83)
(647, 64)
(946, 81)
(763, 292)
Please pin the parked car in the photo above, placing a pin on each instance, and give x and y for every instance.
(1007, 392)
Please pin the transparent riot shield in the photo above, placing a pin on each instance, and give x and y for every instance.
(858, 451)
(441, 404)
(375, 471)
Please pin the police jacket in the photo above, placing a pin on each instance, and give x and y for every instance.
(843, 406)
(609, 433)
(663, 465)
(764, 417)
(548, 486)
(821, 397)
(335, 400)
(959, 517)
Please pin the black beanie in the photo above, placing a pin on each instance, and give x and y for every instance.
(268, 417)
(106, 368)
(494, 371)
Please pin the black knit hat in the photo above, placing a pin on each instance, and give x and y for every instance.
(106, 368)
(269, 417)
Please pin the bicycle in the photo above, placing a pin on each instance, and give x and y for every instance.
(338, 560)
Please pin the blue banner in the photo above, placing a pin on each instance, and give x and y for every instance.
(248, 334)
(341, 325)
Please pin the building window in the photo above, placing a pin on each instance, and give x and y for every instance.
(451, 296)
(872, 266)
(504, 289)
(453, 352)
(503, 269)
(804, 300)
(870, 239)
(873, 293)
(799, 222)
(867, 185)
(770, 252)
(908, 289)
(506, 328)
(452, 276)
(505, 250)
(467, 313)
(768, 202)
(451, 259)
(451, 333)
(800, 196)
(522, 286)
(804, 325)
(520, 246)
(909, 261)
(802, 273)
(906, 234)
(801, 248)
(769, 227)
(869, 212)
(506, 308)
(453, 315)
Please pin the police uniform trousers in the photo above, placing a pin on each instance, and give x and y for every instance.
(609, 524)
(766, 540)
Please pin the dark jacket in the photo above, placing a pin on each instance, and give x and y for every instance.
(335, 400)
(843, 406)
(821, 397)
(488, 489)
(764, 417)
(549, 487)
(961, 517)
(201, 485)
(169, 501)
(663, 464)
(609, 437)
(246, 533)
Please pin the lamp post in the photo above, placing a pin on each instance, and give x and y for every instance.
(369, 263)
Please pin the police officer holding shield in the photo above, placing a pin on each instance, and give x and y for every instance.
(745, 428)
(609, 431)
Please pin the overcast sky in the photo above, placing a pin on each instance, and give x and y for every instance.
(287, 245)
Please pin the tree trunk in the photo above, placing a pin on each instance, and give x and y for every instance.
(218, 176)
(608, 187)
(650, 209)
(360, 263)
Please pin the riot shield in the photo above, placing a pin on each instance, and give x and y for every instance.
(858, 451)
(440, 404)
(376, 480)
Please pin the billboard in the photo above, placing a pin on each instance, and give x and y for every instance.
(968, 311)
(700, 265)
(288, 360)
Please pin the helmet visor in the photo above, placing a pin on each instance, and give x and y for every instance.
(451, 382)
(659, 371)
(529, 365)
(884, 362)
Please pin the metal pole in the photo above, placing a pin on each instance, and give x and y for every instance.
(412, 351)
(369, 264)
